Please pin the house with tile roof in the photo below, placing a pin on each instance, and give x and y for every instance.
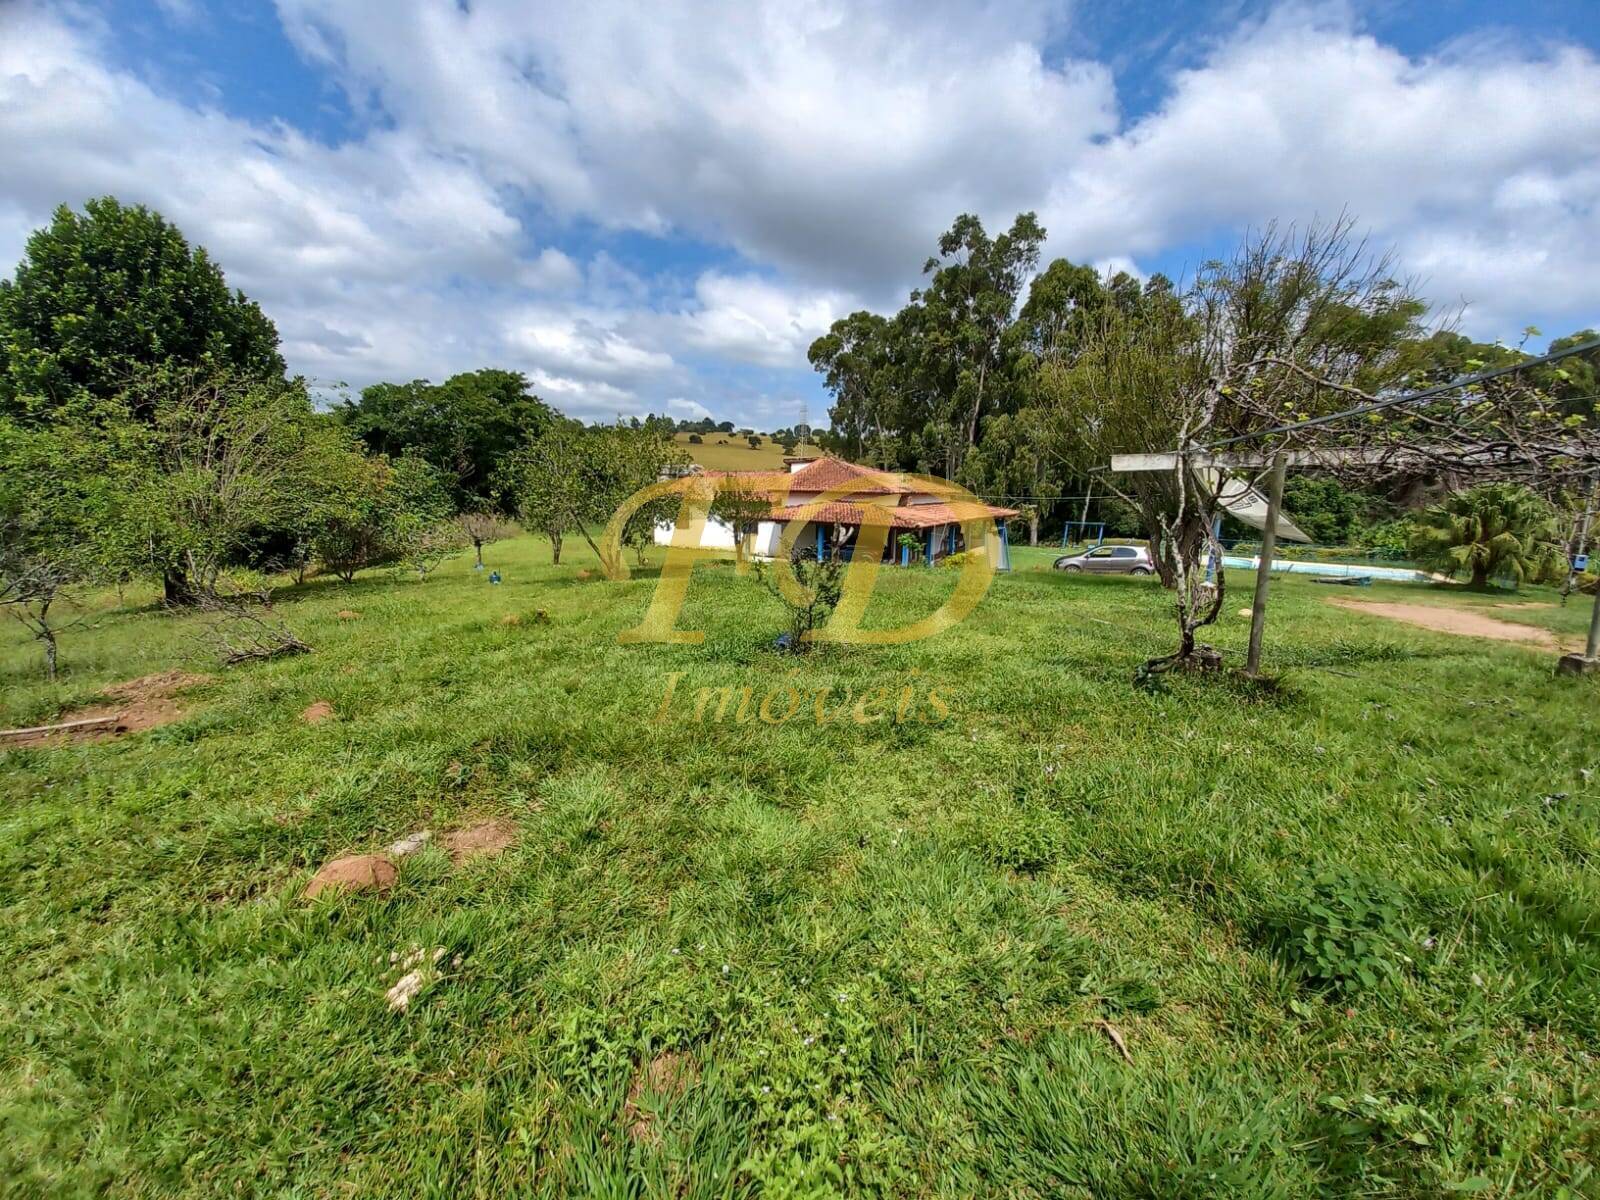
(831, 499)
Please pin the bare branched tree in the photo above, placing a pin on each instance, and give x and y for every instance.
(482, 528)
(1296, 323)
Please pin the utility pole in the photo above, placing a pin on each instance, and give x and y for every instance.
(1583, 546)
(1269, 543)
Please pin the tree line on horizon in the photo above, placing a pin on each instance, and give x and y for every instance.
(997, 374)
(149, 428)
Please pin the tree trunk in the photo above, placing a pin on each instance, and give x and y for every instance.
(478, 546)
(1033, 529)
(175, 588)
(555, 549)
(1480, 575)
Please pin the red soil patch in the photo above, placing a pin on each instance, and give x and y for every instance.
(358, 872)
(317, 713)
(484, 840)
(667, 1075)
(348, 614)
(138, 704)
(1454, 620)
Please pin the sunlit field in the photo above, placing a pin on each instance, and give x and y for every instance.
(733, 452)
(1035, 939)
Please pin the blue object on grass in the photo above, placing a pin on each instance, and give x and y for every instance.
(494, 576)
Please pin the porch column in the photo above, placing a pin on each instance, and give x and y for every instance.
(819, 541)
(1005, 547)
(930, 547)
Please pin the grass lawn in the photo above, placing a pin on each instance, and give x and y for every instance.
(733, 452)
(806, 958)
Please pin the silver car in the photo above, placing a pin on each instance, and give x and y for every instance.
(1109, 560)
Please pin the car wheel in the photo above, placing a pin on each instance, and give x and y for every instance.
(1140, 571)
(1073, 569)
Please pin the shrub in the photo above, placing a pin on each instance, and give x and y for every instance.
(1493, 531)
(1341, 930)
(696, 440)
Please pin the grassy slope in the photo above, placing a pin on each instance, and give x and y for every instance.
(883, 948)
(737, 455)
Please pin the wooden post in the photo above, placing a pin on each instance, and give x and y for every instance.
(1269, 543)
(1593, 651)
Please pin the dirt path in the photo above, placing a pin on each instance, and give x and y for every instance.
(1455, 620)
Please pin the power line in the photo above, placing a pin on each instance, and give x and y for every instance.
(1409, 397)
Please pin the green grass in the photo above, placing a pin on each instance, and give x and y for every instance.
(737, 454)
(883, 950)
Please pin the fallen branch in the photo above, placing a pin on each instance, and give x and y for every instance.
(88, 723)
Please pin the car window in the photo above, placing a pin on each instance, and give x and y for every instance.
(1100, 554)
(1125, 552)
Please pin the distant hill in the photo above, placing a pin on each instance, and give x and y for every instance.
(733, 452)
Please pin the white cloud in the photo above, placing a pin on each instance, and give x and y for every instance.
(826, 145)
(830, 139)
(752, 320)
(1478, 167)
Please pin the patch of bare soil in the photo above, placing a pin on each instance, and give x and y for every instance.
(138, 704)
(668, 1074)
(484, 840)
(1524, 604)
(1454, 620)
(358, 872)
(348, 614)
(316, 714)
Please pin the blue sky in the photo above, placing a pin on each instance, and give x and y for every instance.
(656, 208)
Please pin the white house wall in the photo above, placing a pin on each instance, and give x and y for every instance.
(717, 535)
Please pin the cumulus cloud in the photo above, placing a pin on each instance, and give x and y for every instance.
(790, 160)
(1478, 167)
(826, 138)
(752, 320)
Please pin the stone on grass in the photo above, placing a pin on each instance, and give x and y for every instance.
(409, 844)
(356, 873)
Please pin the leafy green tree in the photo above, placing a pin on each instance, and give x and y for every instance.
(1012, 466)
(223, 459)
(539, 480)
(743, 504)
(385, 511)
(104, 295)
(464, 426)
(1492, 531)
(58, 485)
(1327, 511)
(969, 302)
(574, 477)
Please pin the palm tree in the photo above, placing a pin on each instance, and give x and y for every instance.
(1493, 530)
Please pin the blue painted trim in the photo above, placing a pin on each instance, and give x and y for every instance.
(930, 547)
(819, 541)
